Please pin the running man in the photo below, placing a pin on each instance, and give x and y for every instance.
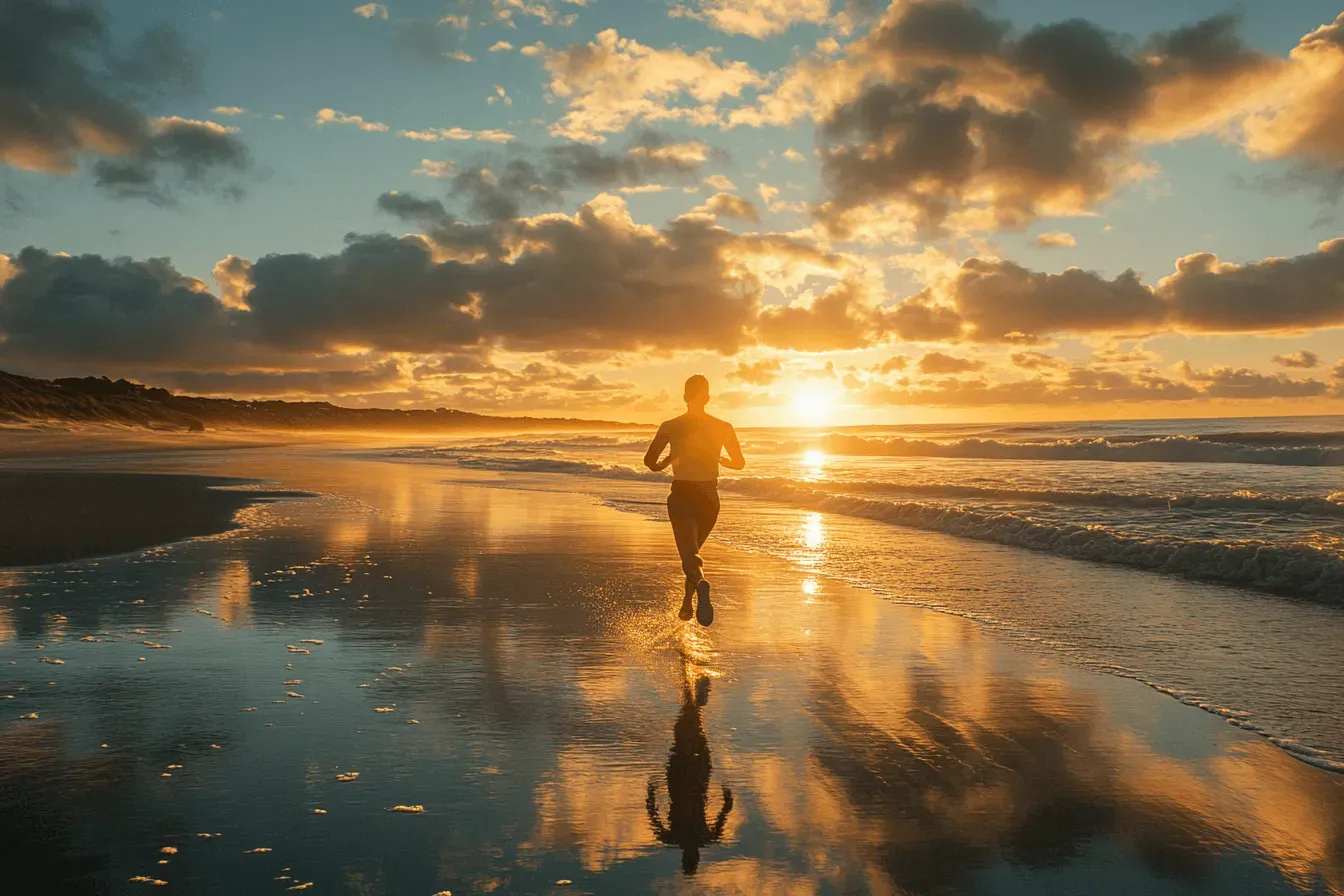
(693, 506)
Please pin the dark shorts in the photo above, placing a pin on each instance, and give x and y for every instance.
(698, 501)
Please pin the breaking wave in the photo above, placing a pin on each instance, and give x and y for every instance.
(1291, 570)
(1166, 449)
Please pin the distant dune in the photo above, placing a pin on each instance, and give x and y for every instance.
(99, 400)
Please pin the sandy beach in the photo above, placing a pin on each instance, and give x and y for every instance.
(411, 685)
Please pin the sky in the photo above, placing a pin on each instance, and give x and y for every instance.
(841, 211)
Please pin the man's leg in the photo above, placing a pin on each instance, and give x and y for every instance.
(706, 515)
(685, 530)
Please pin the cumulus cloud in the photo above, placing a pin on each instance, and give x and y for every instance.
(1242, 382)
(439, 169)
(228, 110)
(1303, 118)
(726, 205)
(938, 363)
(1303, 359)
(66, 92)
(943, 114)
(89, 310)
(757, 373)
(841, 318)
(755, 18)
(372, 11)
(613, 82)
(991, 300)
(335, 116)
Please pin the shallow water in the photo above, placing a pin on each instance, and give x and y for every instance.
(547, 707)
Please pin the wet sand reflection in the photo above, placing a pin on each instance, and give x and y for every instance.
(822, 740)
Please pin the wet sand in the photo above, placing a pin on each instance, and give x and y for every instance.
(55, 516)
(504, 672)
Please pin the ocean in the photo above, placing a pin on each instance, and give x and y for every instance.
(1204, 557)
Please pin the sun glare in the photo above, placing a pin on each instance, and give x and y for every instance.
(812, 407)
(814, 459)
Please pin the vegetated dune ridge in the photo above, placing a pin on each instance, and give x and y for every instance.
(98, 400)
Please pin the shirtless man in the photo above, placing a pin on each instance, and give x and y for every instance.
(693, 506)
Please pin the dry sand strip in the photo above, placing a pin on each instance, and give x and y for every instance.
(58, 516)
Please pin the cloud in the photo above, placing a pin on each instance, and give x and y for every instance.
(1080, 386)
(91, 311)
(757, 373)
(1303, 359)
(536, 49)
(990, 300)
(545, 11)
(794, 155)
(938, 363)
(755, 18)
(270, 384)
(504, 187)
(500, 46)
(1273, 295)
(726, 205)
(372, 11)
(229, 110)
(613, 82)
(1056, 241)
(435, 135)
(182, 155)
(1242, 382)
(942, 114)
(1038, 361)
(721, 183)
(840, 319)
(334, 116)
(1304, 115)
(66, 92)
(431, 168)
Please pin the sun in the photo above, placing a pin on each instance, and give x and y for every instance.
(812, 407)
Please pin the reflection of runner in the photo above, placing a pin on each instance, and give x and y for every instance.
(688, 770)
(693, 506)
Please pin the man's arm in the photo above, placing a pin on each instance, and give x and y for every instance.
(660, 441)
(735, 460)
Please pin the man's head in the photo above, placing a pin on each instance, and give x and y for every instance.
(697, 392)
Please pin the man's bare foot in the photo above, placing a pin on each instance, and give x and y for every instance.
(687, 606)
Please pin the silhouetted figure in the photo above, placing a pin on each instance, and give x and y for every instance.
(693, 506)
(688, 770)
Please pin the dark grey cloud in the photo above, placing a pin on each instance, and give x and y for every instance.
(181, 155)
(93, 311)
(990, 300)
(67, 92)
(377, 378)
(500, 187)
(1277, 294)
(963, 117)
(379, 292)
